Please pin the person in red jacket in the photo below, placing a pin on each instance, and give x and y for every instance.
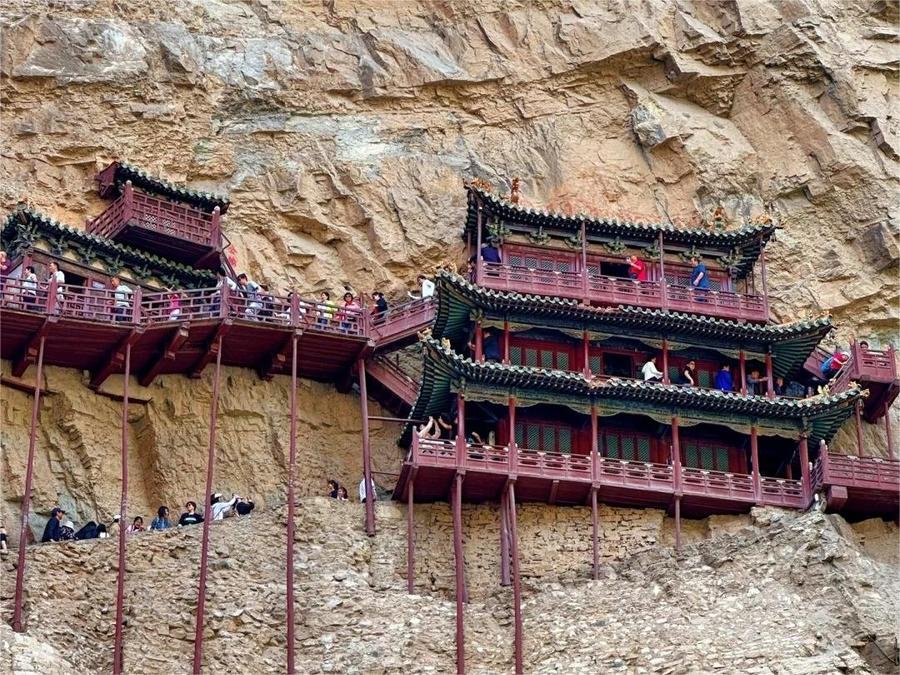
(637, 268)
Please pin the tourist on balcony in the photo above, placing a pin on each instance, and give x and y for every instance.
(490, 345)
(121, 299)
(363, 493)
(267, 303)
(832, 365)
(29, 288)
(430, 430)
(333, 488)
(250, 289)
(490, 252)
(780, 387)
(470, 268)
(724, 381)
(137, 525)
(650, 372)
(427, 288)
(59, 277)
(223, 280)
(190, 516)
(863, 346)
(161, 522)
(699, 275)
(380, 308)
(326, 309)
(174, 308)
(687, 377)
(51, 529)
(349, 312)
(756, 384)
(637, 268)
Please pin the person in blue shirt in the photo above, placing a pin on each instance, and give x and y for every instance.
(724, 382)
(490, 345)
(699, 275)
(490, 253)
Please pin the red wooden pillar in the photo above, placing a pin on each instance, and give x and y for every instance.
(887, 431)
(663, 289)
(765, 286)
(770, 380)
(804, 468)
(584, 267)
(410, 536)
(665, 362)
(17, 624)
(367, 455)
(754, 458)
(478, 262)
(456, 499)
(517, 582)
(291, 486)
(128, 197)
(207, 513)
(595, 527)
(676, 470)
(504, 538)
(460, 429)
(586, 354)
(118, 647)
(479, 342)
(859, 434)
(506, 342)
(742, 364)
(513, 448)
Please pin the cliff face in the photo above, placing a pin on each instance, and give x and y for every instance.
(343, 130)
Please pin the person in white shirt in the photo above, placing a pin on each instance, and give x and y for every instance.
(427, 288)
(362, 490)
(60, 278)
(29, 288)
(651, 372)
(122, 299)
(219, 508)
(251, 292)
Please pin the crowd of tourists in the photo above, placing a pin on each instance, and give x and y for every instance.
(61, 528)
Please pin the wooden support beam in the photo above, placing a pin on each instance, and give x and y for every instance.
(506, 342)
(456, 505)
(742, 364)
(504, 539)
(516, 579)
(367, 455)
(212, 348)
(176, 339)
(665, 361)
(119, 634)
(116, 358)
(804, 469)
(754, 458)
(554, 487)
(292, 499)
(276, 360)
(29, 355)
(770, 378)
(887, 431)
(595, 539)
(411, 533)
(857, 415)
(677, 524)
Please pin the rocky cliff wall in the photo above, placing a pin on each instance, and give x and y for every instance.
(342, 132)
(772, 592)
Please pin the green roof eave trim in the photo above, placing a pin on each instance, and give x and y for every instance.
(23, 227)
(791, 343)
(445, 370)
(140, 179)
(748, 241)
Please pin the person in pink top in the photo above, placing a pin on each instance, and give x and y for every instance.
(174, 304)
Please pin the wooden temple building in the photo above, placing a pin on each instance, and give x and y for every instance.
(534, 359)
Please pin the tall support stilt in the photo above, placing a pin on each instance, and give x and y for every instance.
(18, 624)
(456, 499)
(410, 537)
(754, 459)
(504, 539)
(207, 513)
(292, 478)
(857, 413)
(677, 524)
(118, 646)
(517, 582)
(595, 540)
(367, 455)
(804, 468)
(887, 431)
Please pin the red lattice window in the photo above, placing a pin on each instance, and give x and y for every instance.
(549, 260)
(544, 436)
(540, 354)
(707, 455)
(626, 445)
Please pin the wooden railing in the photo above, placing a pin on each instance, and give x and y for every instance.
(720, 483)
(158, 215)
(860, 472)
(625, 473)
(615, 291)
(782, 492)
(863, 365)
(402, 320)
(391, 376)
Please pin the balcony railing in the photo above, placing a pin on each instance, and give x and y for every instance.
(782, 492)
(872, 473)
(392, 377)
(704, 482)
(402, 320)
(158, 215)
(615, 291)
(863, 365)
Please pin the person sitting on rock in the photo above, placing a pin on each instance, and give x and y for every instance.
(4, 542)
(362, 490)
(51, 529)
(342, 494)
(161, 522)
(243, 507)
(67, 531)
(190, 516)
(221, 508)
(137, 525)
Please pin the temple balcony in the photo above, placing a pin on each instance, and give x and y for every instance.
(568, 479)
(859, 487)
(167, 228)
(596, 289)
(875, 370)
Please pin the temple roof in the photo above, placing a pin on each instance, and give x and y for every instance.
(116, 174)
(747, 242)
(791, 343)
(23, 227)
(445, 369)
